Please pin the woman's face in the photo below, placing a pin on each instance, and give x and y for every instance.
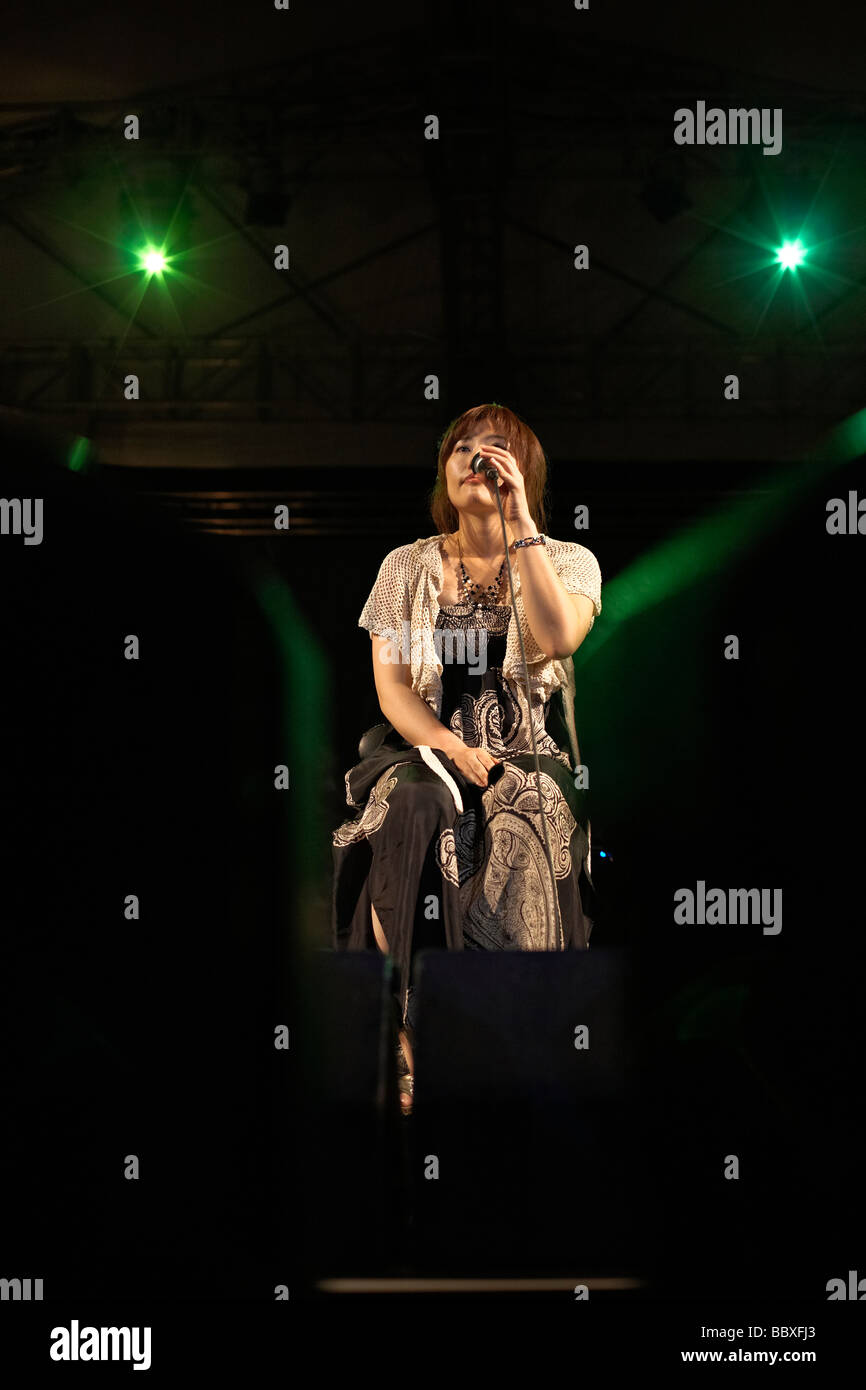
(468, 491)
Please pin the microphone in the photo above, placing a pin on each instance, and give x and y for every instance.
(481, 465)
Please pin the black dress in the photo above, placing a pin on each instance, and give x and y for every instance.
(447, 863)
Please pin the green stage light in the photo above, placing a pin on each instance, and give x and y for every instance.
(153, 261)
(790, 254)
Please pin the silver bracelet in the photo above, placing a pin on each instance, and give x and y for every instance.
(530, 540)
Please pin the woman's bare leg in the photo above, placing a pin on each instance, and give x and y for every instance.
(407, 1051)
(381, 939)
(382, 943)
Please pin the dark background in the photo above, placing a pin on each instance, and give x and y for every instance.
(411, 258)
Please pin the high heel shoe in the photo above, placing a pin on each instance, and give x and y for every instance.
(406, 1085)
(405, 1082)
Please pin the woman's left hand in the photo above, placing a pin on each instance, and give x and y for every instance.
(512, 488)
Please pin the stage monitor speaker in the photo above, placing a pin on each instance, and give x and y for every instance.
(523, 1108)
(348, 1200)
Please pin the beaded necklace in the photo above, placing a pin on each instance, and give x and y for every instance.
(477, 593)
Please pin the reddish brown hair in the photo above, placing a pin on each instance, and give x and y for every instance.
(522, 443)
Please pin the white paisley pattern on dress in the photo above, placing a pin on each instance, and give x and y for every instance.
(504, 883)
(349, 799)
(457, 850)
(478, 722)
(374, 814)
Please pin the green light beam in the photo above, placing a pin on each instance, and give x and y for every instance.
(772, 291)
(83, 289)
(306, 716)
(801, 290)
(828, 240)
(705, 546)
(761, 243)
(746, 274)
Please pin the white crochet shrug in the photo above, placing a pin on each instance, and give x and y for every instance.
(405, 599)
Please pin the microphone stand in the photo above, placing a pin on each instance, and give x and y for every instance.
(477, 466)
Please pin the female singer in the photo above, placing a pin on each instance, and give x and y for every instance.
(447, 848)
